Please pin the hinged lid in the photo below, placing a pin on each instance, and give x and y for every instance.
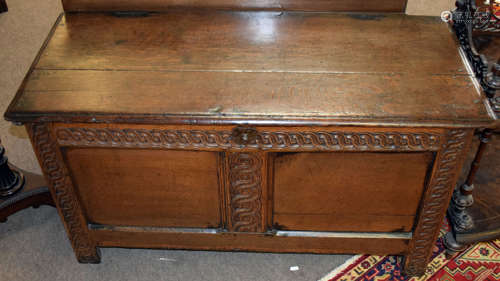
(251, 67)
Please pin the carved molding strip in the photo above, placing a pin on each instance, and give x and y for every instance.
(67, 203)
(245, 189)
(435, 203)
(192, 139)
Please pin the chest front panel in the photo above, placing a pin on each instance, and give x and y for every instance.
(250, 179)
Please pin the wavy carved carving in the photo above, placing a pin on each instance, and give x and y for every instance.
(67, 203)
(435, 203)
(192, 139)
(245, 189)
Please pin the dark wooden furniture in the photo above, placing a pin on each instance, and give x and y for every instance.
(474, 213)
(477, 28)
(257, 130)
(20, 189)
(475, 209)
(3, 6)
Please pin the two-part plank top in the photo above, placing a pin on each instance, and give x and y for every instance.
(225, 66)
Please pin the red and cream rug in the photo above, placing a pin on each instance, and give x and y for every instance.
(480, 262)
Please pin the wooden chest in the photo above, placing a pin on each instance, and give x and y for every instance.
(266, 130)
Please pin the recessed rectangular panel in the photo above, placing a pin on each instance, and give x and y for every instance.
(136, 187)
(348, 191)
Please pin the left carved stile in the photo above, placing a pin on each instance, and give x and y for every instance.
(63, 192)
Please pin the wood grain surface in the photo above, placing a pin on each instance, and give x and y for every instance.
(262, 242)
(298, 5)
(223, 65)
(348, 191)
(140, 187)
(254, 42)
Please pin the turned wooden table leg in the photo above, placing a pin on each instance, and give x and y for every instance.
(11, 181)
(20, 189)
(460, 219)
(3, 6)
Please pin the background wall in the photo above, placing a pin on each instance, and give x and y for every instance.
(429, 7)
(22, 32)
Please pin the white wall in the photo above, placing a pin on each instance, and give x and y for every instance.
(429, 7)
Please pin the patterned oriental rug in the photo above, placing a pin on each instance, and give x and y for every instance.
(479, 262)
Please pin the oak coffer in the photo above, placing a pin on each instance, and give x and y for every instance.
(260, 130)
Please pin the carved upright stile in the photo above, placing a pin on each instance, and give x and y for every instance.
(436, 201)
(63, 192)
(245, 191)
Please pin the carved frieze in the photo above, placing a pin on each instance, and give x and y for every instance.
(264, 140)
